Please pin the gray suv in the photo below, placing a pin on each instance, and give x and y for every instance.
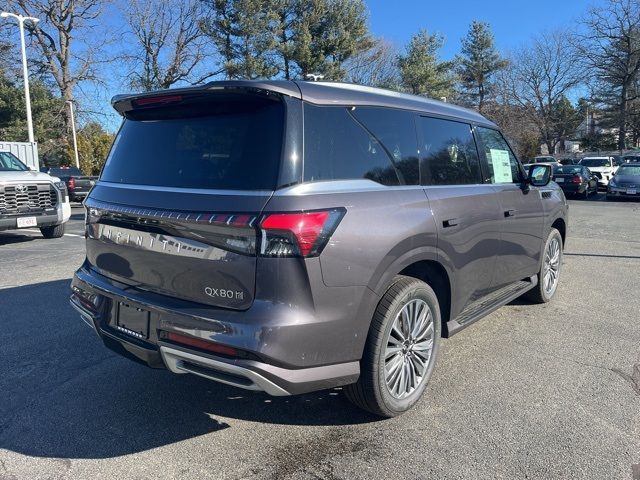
(295, 236)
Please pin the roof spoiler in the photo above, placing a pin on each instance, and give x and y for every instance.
(126, 102)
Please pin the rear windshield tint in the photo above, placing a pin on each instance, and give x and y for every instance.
(227, 142)
(65, 172)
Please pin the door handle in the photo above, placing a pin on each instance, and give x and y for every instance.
(452, 222)
(510, 213)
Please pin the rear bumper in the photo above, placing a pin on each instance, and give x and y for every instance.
(256, 371)
(78, 194)
(621, 192)
(572, 189)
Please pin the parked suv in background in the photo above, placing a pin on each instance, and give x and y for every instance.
(602, 167)
(31, 199)
(293, 236)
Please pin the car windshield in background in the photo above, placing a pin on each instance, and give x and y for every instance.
(227, 143)
(10, 163)
(595, 162)
(630, 170)
(569, 170)
(65, 172)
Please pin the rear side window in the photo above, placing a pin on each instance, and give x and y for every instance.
(229, 143)
(337, 147)
(502, 165)
(448, 153)
(396, 132)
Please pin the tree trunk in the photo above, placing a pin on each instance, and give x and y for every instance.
(480, 97)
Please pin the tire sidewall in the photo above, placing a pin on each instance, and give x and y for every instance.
(421, 291)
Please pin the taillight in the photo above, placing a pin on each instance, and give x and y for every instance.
(72, 183)
(302, 234)
(576, 179)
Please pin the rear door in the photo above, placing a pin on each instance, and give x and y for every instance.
(177, 203)
(467, 213)
(521, 209)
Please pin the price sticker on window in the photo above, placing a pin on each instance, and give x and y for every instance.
(501, 166)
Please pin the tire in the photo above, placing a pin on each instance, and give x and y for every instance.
(55, 231)
(372, 392)
(540, 293)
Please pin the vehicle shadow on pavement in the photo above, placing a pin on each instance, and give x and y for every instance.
(63, 394)
(11, 238)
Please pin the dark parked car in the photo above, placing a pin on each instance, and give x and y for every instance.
(568, 161)
(576, 180)
(296, 236)
(631, 158)
(626, 182)
(78, 184)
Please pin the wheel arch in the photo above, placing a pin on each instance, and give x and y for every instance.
(560, 225)
(424, 265)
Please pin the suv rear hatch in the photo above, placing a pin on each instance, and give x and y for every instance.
(176, 207)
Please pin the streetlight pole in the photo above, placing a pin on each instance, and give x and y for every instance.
(73, 131)
(25, 73)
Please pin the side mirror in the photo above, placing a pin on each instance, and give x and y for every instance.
(539, 175)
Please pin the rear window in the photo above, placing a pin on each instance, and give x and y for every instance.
(568, 170)
(595, 162)
(65, 172)
(230, 143)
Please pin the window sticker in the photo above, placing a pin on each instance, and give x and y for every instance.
(501, 166)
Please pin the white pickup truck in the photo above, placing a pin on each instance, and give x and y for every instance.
(31, 199)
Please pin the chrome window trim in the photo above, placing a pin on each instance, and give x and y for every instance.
(205, 191)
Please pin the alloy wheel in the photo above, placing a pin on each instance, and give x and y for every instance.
(409, 348)
(551, 266)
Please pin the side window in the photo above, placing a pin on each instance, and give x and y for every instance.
(448, 153)
(396, 132)
(501, 164)
(336, 147)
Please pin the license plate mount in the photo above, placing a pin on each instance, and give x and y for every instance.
(25, 222)
(133, 321)
(559, 180)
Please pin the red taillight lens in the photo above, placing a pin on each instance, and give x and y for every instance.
(576, 179)
(298, 234)
(72, 183)
(201, 344)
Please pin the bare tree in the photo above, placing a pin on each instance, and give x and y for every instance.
(67, 60)
(538, 80)
(376, 67)
(170, 46)
(611, 50)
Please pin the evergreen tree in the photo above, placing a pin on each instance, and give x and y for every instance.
(478, 63)
(421, 71)
(243, 33)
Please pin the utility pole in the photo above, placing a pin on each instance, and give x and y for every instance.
(73, 131)
(25, 73)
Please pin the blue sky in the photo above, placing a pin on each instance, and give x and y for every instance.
(513, 22)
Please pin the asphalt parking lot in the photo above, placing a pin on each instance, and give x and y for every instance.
(549, 391)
